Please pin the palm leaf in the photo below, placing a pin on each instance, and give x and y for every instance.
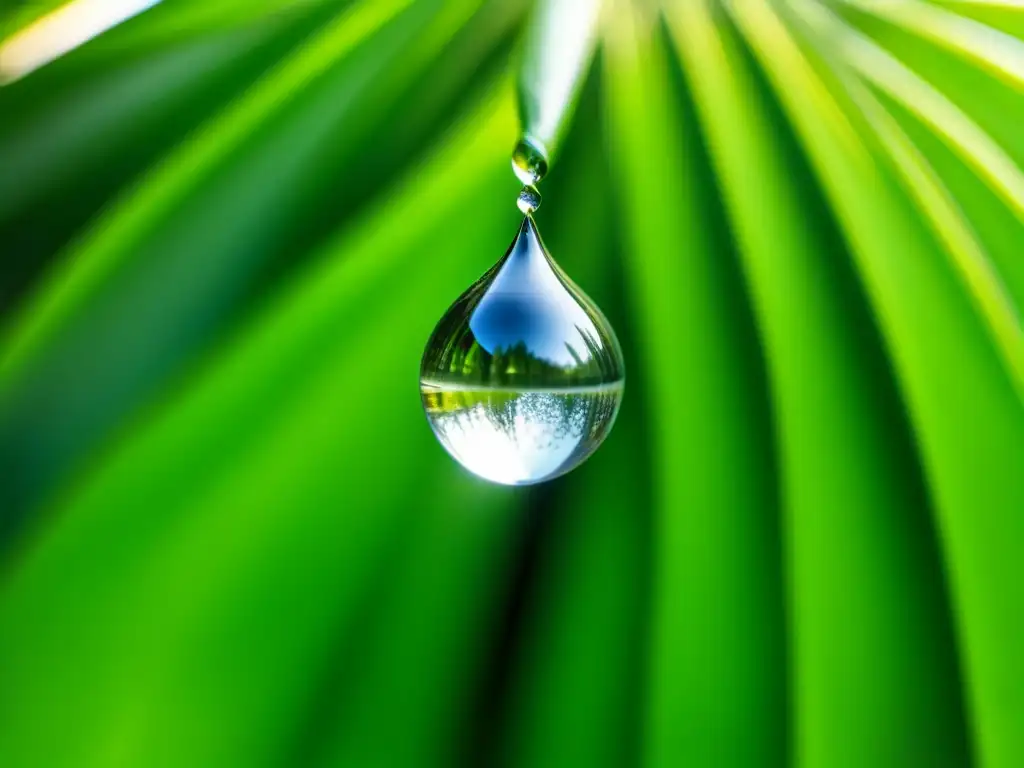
(227, 537)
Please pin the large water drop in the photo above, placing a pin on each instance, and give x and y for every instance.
(522, 378)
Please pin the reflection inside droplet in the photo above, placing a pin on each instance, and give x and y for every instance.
(518, 437)
(528, 200)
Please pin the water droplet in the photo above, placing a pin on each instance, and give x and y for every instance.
(522, 378)
(529, 200)
(529, 161)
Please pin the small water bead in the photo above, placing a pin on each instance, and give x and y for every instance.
(522, 378)
(529, 200)
(529, 161)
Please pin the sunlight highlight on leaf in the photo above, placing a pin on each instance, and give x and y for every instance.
(1003, 54)
(946, 119)
(556, 55)
(943, 215)
(58, 32)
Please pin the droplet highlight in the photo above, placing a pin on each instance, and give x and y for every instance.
(529, 161)
(522, 378)
(529, 200)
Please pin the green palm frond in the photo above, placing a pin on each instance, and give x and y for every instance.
(227, 536)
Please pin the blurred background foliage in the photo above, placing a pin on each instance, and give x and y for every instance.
(227, 534)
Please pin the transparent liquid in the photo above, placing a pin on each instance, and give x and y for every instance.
(529, 161)
(524, 436)
(522, 376)
(528, 200)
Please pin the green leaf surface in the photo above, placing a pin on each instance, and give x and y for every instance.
(716, 675)
(139, 638)
(106, 312)
(227, 535)
(72, 143)
(442, 601)
(857, 538)
(958, 418)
